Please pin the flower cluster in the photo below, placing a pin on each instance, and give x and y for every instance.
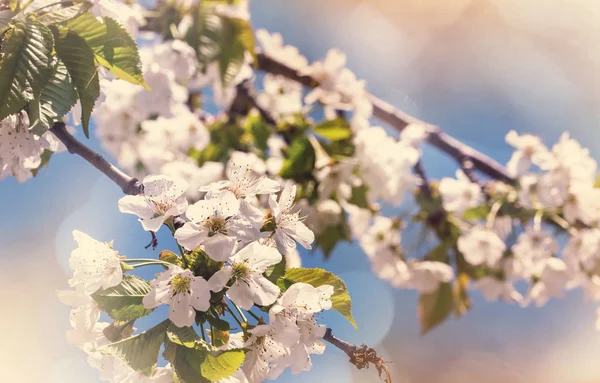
(231, 243)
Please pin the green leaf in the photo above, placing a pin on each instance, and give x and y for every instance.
(597, 183)
(236, 38)
(46, 155)
(215, 368)
(276, 271)
(359, 197)
(6, 16)
(79, 60)
(124, 301)
(56, 99)
(328, 238)
(198, 364)
(318, 277)
(25, 65)
(112, 46)
(140, 352)
(476, 213)
(334, 130)
(65, 13)
(186, 362)
(260, 131)
(300, 159)
(435, 307)
(218, 323)
(183, 336)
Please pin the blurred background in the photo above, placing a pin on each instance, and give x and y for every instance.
(477, 68)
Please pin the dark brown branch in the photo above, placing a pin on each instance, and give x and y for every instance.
(129, 185)
(245, 100)
(399, 120)
(361, 356)
(424, 186)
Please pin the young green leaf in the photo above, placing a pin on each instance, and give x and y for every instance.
(183, 336)
(25, 64)
(215, 368)
(140, 352)
(300, 159)
(236, 39)
(124, 301)
(334, 130)
(435, 307)
(113, 47)
(318, 277)
(77, 56)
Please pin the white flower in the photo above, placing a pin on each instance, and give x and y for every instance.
(480, 246)
(527, 147)
(281, 96)
(583, 250)
(182, 291)
(243, 181)
(86, 311)
(289, 226)
(426, 276)
(163, 198)
(385, 164)
(213, 225)
(338, 179)
(272, 45)
(196, 176)
(494, 289)
(298, 359)
(246, 268)
(95, 265)
(535, 244)
(460, 194)
(554, 277)
(263, 350)
(175, 56)
(20, 150)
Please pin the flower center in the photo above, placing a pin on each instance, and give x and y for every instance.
(181, 284)
(240, 270)
(215, 225)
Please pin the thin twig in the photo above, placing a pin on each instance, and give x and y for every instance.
(361, 356)
(129, 185)
(245, 100)
(399, 120)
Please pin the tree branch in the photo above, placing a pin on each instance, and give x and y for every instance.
(129, 185)
(360, 356)
(399, 120)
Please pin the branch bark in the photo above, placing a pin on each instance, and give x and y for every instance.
(398, 120)
(129, 185)
(361, 356)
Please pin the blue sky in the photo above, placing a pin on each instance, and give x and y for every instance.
(494, 342)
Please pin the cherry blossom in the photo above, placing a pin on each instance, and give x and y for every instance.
(246, 270)
(163, 198)
(289, 227)
(481, 246)
(182, 291)
(95, 264)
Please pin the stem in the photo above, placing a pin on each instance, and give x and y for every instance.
(537, 220)
(253, 315)
(202, 332)
(493, 213)
(212, 334)
(234, 317)
(399, 120)
(129, 185)
(181, 251)
(240, 312)
(150, 264)
(143, 260)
